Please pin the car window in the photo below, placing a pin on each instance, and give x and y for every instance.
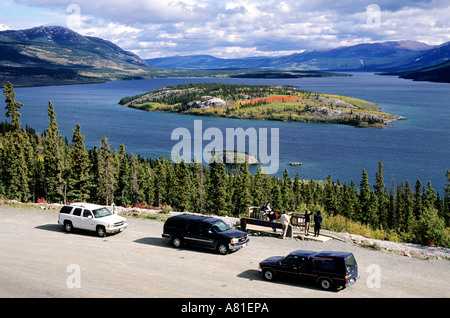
(66, 209)
(194, 226)
(77, 212)
(87, 213)
(350, 262)
(324, 264)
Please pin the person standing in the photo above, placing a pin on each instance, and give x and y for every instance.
(307, 221)
(263, 213)
(317, 223)
(286, 223)
(273, 218)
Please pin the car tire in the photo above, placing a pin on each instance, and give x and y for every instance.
(269, 274)
(68, 227)
(101, 231)
(325, 283)
(177, 241)
(222, 248)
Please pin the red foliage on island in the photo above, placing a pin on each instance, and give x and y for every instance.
(273, 99)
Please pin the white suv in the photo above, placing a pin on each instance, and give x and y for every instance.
(91, 217)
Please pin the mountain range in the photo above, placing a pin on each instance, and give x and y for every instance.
(51, 55)
(370, 57)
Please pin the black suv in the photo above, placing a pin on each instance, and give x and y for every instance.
(328, 269)
(203, 231)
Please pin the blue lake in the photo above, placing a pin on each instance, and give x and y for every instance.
(416, 148)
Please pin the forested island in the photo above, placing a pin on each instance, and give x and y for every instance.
(47, 167)
(282, 103)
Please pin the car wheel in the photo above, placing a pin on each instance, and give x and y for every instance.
(269, 274)
(177, 241)
(101, 231)
(222, 248)
(68, 226)
(325, 283)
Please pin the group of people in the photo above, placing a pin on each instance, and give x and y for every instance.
(266, 210)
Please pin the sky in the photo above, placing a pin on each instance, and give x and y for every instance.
(236, 28)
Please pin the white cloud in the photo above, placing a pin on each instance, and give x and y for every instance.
(249, 27)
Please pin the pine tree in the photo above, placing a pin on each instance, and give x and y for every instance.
(364, 198)
(79, 178)
(54, 158)
(382, 196)
(106, 172)
(447, 200)
(257, 188)
(182, 187)
(160, 182)
(216, 201)
(287, 192)
(12, 107)
(123, 178)
(198, 187)
(17, 154)
(243, 185)
(296, 188)
(134, 183)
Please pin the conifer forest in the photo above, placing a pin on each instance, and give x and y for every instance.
(48, 166)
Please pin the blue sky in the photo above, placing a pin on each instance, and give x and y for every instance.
(154, 28)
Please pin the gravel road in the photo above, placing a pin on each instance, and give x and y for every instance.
(38, 259)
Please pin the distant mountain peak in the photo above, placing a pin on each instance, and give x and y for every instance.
(52, 33)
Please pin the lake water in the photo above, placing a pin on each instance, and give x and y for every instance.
(416, 148)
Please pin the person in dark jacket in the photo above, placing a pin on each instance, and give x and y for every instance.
(317, 223)
(307, 221)
(273, 218)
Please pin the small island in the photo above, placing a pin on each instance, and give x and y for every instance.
(282, 103)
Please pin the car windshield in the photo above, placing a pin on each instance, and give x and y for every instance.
(220, 226)
(99, 213)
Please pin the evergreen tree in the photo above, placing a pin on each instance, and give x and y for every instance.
(54, 159)
(79, 178)
(182, 187)
(198, 187)
(296, 192)
(418, 201)
(160, 182)
(216, 201)
(382, 196)
(12, 107)
(364, 198)
(243, 187)
(123, 178)
(276, 202)
(106, 172)
(134, 183)
(447, 200)
(17, 153)
(287, 192)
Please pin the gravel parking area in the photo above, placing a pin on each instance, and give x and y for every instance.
(40, 260)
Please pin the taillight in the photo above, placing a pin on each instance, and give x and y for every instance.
(346, 278)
